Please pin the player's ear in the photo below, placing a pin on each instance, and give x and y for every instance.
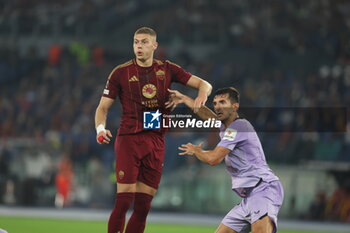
(154, 42)
(236, 106)
(155, 45)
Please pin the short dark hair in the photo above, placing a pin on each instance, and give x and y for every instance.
(146, 30)
(231, 91)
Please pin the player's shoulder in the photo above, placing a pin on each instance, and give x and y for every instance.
(163, 62)
(241, 124)
(172, 63)
(159, 62)
(124, 65)
(166, 63)
(117, 70)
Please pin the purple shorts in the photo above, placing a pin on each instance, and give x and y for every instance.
(264, 200)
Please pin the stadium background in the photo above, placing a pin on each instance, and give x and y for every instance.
(55, 58)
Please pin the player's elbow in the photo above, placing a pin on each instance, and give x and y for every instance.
(213, 162)
(207, 86)
(210, 88)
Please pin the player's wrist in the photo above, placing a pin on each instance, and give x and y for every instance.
(188, 101)
(100, 128)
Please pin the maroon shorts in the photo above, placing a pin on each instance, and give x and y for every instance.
(139, 157)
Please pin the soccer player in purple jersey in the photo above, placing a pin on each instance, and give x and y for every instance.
(240, 147)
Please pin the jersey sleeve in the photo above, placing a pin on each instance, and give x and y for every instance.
(178, 74)
(112, 87)
(231, 137)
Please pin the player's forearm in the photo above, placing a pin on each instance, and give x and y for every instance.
(207, 157)
(205, 88)
(204, 112)
(102, 112)
(100, 116)
(188, 101)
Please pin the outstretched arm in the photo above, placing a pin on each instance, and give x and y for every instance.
(204, 89)
(100, 120)
(177, 97)
(211, 157)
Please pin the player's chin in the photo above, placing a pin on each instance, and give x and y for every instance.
(220, 116)
(141, 58)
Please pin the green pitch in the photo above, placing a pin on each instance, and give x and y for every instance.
(39, 225)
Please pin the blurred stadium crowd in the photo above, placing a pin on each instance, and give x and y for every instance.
(278, 54)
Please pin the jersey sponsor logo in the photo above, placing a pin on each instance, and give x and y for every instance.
(133, 79)
(230, 134)
(149, 91)
(153, 103)
(151, 120)
(106, 92)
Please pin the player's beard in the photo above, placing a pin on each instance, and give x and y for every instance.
(228, 117)
(224, 118)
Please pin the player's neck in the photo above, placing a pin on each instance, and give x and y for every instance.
(231, 119)
(145, 63)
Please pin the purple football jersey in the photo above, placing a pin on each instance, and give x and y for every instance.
(246, 162)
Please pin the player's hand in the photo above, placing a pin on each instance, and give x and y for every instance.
(199, 102)
(190, 149)
(103, 137)
(175, 98)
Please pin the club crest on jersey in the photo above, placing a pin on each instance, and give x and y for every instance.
(160, 74)
(149, 91)
(121, 174)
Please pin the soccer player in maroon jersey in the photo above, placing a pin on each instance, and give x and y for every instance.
(141, 84)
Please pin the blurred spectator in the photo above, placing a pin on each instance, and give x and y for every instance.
(54, 54)
(36, 164)
(98, 56)
(4, 171)
(63, 182)
(338, 207)
(317, 207)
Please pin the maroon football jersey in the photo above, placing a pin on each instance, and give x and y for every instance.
(142, 89)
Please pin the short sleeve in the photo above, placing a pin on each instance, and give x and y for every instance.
(231, 138)
(112, 87)
(178, 74)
